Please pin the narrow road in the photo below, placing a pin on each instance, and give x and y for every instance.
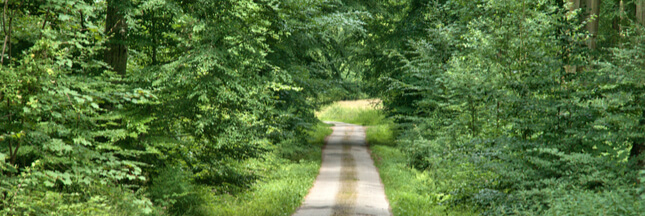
(348, 182)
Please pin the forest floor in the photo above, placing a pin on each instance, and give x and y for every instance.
(348, 182)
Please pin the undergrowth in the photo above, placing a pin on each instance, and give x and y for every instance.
(410, 191)
(291, 172)
(287, 174)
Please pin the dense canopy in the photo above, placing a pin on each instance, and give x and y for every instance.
(149, 107)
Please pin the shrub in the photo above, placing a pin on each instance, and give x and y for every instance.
(174, 190)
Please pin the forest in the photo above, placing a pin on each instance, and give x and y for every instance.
(212, 107)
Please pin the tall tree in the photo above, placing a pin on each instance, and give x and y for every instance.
(116, 54)
(638, 146)
(640, 11)
(593, 11)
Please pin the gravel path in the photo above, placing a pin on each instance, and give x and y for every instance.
(348, 182)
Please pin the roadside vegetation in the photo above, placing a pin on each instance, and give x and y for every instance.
(521, 107)
(165, 107)
(410, 191)
(202, 107)
(289, 174)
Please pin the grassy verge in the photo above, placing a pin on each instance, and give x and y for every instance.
(288, 176)
(410, 192)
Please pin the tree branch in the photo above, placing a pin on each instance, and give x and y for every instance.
(4, 29)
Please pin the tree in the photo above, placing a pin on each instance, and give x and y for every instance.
(640, 11)
(637, 151)
(116, 27)
(591, 11)
(67, 131)
(593, 7)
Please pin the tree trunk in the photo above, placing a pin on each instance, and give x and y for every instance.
(116, 52)
(638, 148)
(575, 5)
(593, 9)
(640, 11)
(7, 33)
(618, 24)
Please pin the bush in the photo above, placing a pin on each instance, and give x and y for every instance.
(174, 190)
(608, 203)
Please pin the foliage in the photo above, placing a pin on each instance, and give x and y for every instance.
(411, 192)
(215, 94)
(68, 143)
(382, 134)
(502, 102)
(507, 102)
(174, 191)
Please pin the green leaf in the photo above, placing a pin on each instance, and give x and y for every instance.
(64, 17)
(58, 146)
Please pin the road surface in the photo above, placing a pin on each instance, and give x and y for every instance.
(348, 182)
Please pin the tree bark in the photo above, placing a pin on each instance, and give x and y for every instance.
(7, 33)
(116, 52)
(619, 24)
(640, 11)
(593, 8)
(575, 5)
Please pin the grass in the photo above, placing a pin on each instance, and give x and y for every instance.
(288, 176)
(382, 134)
(279, 195)
(291, 170)
(320, 132)
(361, 112)
(409, 191)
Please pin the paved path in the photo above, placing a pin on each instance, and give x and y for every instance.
(348, 182)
